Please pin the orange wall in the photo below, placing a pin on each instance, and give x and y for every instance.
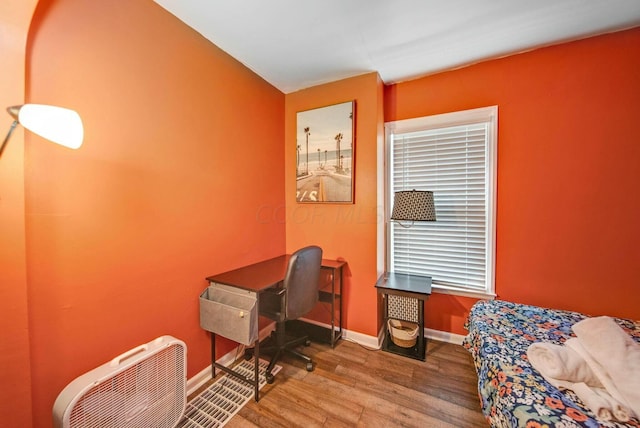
(183, 157)
(183, 146)
(345, 231)
(568, 171)
(15, 372)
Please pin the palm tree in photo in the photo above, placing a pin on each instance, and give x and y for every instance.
(307, 133)
(338, 138)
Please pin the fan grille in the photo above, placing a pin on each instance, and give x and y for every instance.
(147, 394)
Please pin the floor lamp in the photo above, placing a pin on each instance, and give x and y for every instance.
(57, 124)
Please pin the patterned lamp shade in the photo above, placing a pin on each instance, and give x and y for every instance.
(413, 205)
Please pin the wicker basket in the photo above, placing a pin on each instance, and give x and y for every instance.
(403, 333)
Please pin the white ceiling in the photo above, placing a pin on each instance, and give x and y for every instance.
(295, 44)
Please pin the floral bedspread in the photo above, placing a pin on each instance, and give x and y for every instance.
(512, 392)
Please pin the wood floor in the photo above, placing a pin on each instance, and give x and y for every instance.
(352, 386)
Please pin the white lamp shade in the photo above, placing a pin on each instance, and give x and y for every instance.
(57, 124)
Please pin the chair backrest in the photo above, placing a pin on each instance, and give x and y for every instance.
(302, 280)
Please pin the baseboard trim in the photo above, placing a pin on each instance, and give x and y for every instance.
(204, 375)
(444, 336)
(362, 339)
(366, 340)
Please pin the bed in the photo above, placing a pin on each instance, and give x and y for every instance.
(512, 393)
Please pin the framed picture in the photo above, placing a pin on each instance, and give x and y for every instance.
(325, 154)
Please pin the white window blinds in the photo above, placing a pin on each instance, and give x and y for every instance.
(451, 155)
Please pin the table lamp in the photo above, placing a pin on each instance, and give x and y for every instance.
(413, 205)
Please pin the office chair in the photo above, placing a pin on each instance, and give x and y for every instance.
(297, 296)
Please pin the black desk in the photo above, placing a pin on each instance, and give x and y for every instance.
(257, 278)
(405, 286)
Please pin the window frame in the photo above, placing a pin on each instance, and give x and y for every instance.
(487, 115)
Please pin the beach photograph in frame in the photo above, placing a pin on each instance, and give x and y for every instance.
(325, 149)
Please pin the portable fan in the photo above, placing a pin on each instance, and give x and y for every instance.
(142, 388)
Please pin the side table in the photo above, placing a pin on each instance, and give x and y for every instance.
(409, 291)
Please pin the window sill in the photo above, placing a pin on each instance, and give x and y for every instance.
(463, 293)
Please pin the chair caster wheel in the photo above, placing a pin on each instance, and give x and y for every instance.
(307, 342)
(269, 377)
(309, 367)
(248, 354)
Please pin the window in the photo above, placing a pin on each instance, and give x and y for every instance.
(453, 155)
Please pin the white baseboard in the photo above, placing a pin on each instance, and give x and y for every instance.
(362, 339)
(204, 375)
(444, 336)
(226, 360)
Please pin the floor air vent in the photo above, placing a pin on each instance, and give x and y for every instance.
(144, 387)
(216, 405)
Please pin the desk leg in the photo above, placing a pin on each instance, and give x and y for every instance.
(256, 368)
(340, 289)
(333, 308)
(213, 355)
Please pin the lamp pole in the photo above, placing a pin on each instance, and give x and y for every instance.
(4, 143)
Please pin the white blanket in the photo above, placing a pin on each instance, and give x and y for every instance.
(561, 363)
(616, 353)
(601, 403)
(601, 366)
(565, 368)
